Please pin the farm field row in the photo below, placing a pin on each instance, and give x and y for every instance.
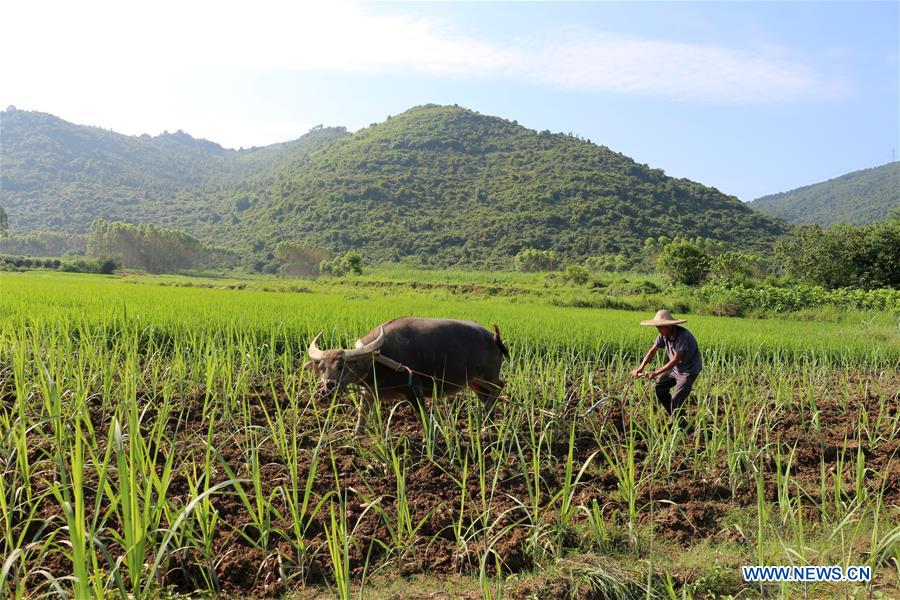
(156, 437)
(294, 316)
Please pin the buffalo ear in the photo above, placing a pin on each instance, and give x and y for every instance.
(312, 365)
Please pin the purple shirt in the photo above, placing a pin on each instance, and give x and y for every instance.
(682, 340)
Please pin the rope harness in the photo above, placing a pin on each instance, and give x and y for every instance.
(399, 367)
(395, 366)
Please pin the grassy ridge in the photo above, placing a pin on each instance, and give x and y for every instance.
(345, 314)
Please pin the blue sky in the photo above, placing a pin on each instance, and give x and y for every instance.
(752, 98)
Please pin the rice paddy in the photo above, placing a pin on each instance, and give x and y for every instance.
(159, 440)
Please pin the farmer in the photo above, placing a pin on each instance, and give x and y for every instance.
(684, 362)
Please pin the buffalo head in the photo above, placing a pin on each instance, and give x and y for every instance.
(338, 368)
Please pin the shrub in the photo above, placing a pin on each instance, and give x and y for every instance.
(351, 262)
(332, 267)
(577, 274)
(532, 260)
(103, 266)
(611, 263)
(107, 266)
(635, 288)
(683, 262)
(299, 260)
(735, 265)
(726, 304)
(800, 297)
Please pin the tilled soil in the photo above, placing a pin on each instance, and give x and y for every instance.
(682, 507)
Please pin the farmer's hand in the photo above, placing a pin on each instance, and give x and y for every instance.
(636, 373)
(648, 375)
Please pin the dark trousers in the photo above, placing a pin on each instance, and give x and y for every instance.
(670, 398)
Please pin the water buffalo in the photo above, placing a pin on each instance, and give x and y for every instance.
(413, 358)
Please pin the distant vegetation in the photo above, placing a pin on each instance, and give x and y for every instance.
(433, 187)
(104, 266)
(298, 260)
(446, 186)
(843, 266)
(856, 198)
(61, 176)
(532, 260)
(683, 262)
(43, 243)
(843, 255)
(153, 249)
(436, 186)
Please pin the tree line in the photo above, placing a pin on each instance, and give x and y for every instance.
(153, 249)
(296, 259)
(840, 256)
(42, 243)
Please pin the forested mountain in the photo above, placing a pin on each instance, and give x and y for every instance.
(452, 186)
(857, 198)
(61, 176)
(441, 185)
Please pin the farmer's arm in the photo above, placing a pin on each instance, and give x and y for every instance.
(650, 354)
(676, 360)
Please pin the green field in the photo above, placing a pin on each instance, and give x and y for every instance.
(157, 436)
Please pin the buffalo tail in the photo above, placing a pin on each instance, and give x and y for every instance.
(499, 342)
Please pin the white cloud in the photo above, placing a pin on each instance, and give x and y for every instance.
(119, 58)
(678, 70)
(119, 39)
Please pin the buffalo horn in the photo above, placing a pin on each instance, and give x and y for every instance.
(367, 349)
(314, 352)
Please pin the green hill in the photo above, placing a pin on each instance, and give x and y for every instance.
(60, 176)
(857, 198)
(443, 185)
(454, 187)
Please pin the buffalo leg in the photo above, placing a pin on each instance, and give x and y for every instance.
(488, 392)
(365, 402)
(415, 395)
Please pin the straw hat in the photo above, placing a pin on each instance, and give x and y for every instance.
(663, 317)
